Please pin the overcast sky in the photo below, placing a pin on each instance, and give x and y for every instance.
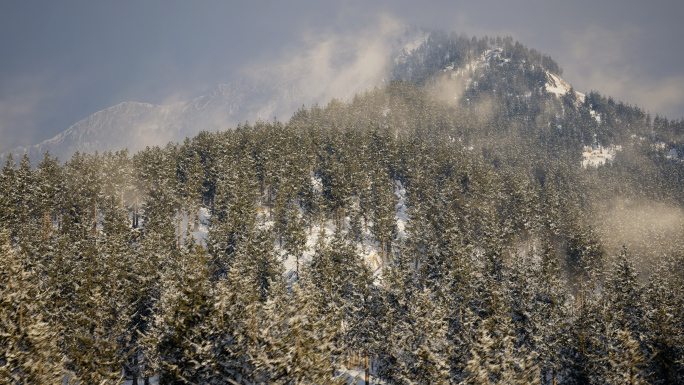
(62, 61)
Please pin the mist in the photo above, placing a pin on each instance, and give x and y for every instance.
(648, 229)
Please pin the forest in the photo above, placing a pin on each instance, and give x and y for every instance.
(500, 258)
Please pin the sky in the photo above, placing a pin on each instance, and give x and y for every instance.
(63, 61)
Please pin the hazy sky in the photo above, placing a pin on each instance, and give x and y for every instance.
(62, 61)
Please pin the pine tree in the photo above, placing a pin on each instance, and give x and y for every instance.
(146, 270)
(234, 346)
(343, 291)
(50, 184)
(663, 316)
(192, 190)
(298, 344)
(96, 338)
(30, 345)
(9, 207)
(384, 227)
(234, 213)
(295, 236)
(182, 319)
(398, 289)
(423, 340)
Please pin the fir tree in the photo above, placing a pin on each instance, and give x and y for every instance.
(30, 344)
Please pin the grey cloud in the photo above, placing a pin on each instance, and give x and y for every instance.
(602, 60)
(93, 55)
(332, 65)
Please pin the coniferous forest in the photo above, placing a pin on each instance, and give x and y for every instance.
(412, 237)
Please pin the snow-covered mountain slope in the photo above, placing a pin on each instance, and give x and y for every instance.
(332, 69)
(556, 85)
(496, 57)
(137, 125)
(315, 76)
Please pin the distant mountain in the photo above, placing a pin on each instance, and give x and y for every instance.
(136, 125)
(262, 94)
(461, 68)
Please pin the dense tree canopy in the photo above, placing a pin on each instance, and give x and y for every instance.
(494, 260)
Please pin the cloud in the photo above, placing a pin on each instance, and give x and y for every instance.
(648, 229)
(332, 65)
(18, 106)
(606, 61)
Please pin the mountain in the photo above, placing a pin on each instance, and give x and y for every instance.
(439, 226)
(264, 94)
(459, 69)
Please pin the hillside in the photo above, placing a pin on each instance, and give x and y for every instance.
(445, 226)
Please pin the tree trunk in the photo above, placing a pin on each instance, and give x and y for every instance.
(135, 373)
(21, 315)
(390, 336)
(254, 319)
(367, 371)
(95, 218)
(45, 228)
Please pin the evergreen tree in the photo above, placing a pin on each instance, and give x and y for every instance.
(425, 350)
(30, 344)
(384, 227)
(182, 319)
(663, 316)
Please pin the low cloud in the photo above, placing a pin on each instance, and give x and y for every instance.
(448, 89)
(648, 229)
(333, 65)
(17, 117)
(603, 60)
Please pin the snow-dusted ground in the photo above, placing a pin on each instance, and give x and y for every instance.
(559, 87)
(153, 381)
(672, 154)
(358, 377)
(597, 155)
(354, 376)
(369, 250)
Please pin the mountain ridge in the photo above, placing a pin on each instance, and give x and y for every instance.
(261, 94)
(266, 94)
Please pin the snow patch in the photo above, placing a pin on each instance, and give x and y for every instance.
(559, 87)
(672, 154)
(597, 155)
